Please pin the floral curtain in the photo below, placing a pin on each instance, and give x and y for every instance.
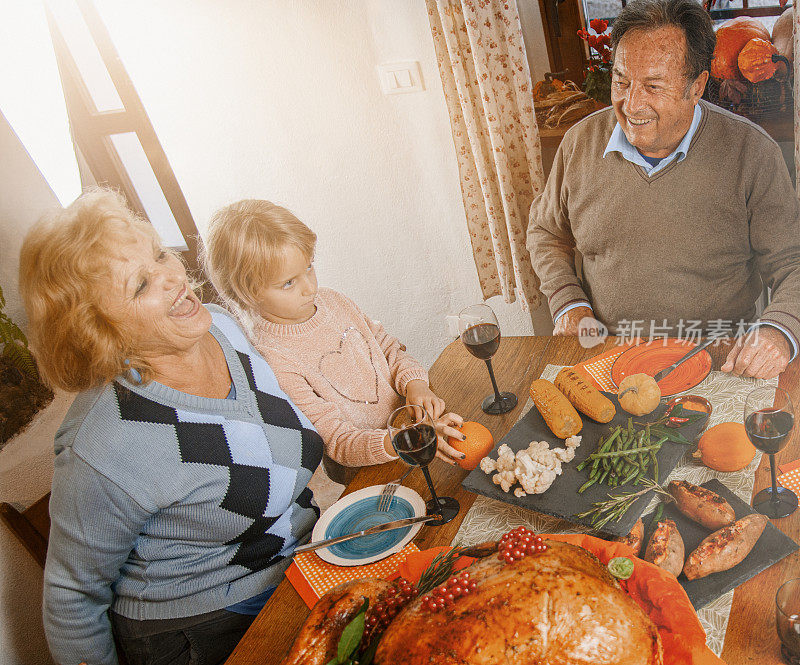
(487, 85)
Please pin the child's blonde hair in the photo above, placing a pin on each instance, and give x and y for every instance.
(244, 248)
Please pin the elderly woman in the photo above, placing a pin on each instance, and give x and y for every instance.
(181, 470)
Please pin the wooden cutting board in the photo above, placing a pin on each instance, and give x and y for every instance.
(562, 498)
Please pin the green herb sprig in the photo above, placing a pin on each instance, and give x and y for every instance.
(611, 509)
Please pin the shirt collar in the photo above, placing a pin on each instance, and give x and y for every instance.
(619, 143)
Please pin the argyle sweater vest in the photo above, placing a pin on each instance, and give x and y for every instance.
(169, 505)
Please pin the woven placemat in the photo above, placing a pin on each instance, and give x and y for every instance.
(489, 519)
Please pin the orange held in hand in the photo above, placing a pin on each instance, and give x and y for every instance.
(477, 445)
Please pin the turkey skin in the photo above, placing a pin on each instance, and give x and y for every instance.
(558, 607)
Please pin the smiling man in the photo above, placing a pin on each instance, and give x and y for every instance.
(679, 210)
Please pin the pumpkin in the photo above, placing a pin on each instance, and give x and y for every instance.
(731, 38)
(639, 394)
(783, 36)
(725, 447)
(755, 60)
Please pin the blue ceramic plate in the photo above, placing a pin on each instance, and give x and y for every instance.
(358, 511)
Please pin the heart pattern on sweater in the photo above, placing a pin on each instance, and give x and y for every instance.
(353, 359)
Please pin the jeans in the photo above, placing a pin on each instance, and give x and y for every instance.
(207, 639)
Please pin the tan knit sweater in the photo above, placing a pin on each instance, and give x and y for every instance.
(693, 242)
(344, 371)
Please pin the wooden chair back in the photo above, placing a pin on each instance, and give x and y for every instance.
(31, 526)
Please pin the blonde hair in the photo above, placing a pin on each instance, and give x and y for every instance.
(244, 248)
(64, 276)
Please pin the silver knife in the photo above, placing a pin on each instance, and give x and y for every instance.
(660, 375)
(378, 528)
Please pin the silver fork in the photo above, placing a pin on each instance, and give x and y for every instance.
(388, 491)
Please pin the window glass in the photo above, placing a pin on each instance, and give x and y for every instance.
(135, 162)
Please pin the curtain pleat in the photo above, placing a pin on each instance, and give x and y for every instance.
(487, 85)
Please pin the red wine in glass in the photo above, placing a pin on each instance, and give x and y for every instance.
(480, 334)
(768, 429)
(414, 439)
(416, 445)
(482, 340)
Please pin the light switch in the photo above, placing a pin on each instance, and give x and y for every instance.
(400, 77)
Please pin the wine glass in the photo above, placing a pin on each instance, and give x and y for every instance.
(481, 335)
(787, 620)
(413, 436)
(768, 430)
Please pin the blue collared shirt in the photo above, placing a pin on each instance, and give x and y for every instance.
(619, 143)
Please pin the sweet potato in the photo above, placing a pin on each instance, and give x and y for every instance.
(584, 396)
(725, 548)
(560, 416)
(635, 537)
(665, 547)
(701, 505)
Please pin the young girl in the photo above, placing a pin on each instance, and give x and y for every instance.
(343, 370)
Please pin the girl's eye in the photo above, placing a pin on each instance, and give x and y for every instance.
(288, 285)
(162, 255)
(140, 289)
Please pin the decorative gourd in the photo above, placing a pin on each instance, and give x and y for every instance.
(725, 447)
(755, 60)
(782, 34)
(731, 38)
(639, 394)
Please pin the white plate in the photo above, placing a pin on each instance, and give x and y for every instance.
(358, 511)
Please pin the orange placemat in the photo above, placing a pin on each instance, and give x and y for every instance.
(598, 369)
(312, 577)
(790, 476)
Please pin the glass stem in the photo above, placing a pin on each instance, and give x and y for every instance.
(491, 376)
(433, 491)
(774, 498)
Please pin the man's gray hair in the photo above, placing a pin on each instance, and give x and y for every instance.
(688, 15)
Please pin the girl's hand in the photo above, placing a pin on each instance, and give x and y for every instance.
(418, 392)
(446, 426)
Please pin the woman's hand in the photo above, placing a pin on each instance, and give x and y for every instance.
(446, 426)
(419, 393)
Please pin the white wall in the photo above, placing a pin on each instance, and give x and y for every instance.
(26, 463)
(275, 99)
(281, 100)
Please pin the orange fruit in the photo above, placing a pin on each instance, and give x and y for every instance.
(726, 447)
(477, 445)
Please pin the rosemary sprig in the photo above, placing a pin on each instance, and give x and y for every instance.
(611, 509)
(439, 571)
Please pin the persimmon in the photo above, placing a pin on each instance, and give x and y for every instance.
(477, 445)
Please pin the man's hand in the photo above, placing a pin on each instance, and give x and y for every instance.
(568, 323)
(763, 354)
(419, 393)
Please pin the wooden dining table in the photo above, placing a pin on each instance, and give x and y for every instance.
(462, 381)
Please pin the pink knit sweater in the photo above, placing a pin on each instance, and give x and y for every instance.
(344, 371)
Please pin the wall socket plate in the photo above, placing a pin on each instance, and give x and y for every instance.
(452, 325)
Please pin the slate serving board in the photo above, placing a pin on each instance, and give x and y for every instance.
(772, 546)
(562, 498)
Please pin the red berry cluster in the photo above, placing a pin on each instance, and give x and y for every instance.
(445, 594)
(381, 613)
(518, 543)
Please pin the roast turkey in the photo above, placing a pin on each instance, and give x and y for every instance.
(559, 607)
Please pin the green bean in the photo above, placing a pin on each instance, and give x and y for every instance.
(618, 453)
(587, 485)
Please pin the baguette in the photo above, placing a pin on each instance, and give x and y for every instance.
(560, 416)
(584, 396)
